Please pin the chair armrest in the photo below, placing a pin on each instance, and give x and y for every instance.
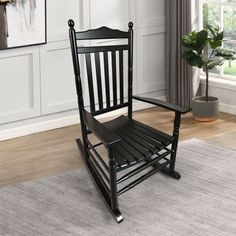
(106, 136)
(163, 104)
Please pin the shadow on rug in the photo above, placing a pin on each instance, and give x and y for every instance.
(202, 202)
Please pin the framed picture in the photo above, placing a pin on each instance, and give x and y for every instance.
(22, 23)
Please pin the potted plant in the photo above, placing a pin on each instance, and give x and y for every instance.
(204, 50)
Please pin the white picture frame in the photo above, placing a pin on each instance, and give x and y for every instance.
(22, 23)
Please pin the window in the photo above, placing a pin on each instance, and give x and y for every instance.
(222, 13)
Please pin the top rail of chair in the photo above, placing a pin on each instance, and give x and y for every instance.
(101, 33)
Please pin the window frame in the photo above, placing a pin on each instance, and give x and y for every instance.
(221, 4)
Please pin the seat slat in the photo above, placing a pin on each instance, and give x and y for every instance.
(122, 125)
(125, 155)
(99, 81)
(156, 134)
(133, 143)
(90, 81)
(121, 161)
(145, 144)
(132, 151)
(117, 123)
(145, 137)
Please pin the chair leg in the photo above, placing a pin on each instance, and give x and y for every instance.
(173, 174)
(113, 182)
(113, 188)
(171, 170)
(109, 199)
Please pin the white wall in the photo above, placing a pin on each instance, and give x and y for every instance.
(37, 89)
(225, 91)
(151, 39)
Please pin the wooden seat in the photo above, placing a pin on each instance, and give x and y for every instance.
(108, 78)
(138, 141)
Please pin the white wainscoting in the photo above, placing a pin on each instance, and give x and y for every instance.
(151, 46)
(150, 13)
(57, 78)
(20, 84)
(151, 60)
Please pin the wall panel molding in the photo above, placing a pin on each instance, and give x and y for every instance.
(152, 22)
(19, 67)
(57, 78)
(151, 35)
(151, 13)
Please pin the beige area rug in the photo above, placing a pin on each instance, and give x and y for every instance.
(202, 202)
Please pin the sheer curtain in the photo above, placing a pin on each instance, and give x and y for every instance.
(181, 78)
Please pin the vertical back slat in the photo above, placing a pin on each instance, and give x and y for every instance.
(99, 81)
(113, 56)
(107, 84)
(90, 81)
(130, 71)
(121, 65)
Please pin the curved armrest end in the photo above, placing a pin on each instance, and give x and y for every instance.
(106, 135)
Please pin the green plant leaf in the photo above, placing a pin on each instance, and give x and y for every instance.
(215, 36)
(213, 30)
(189, 41)
(201, 40)
(192, 58)
(215, 44)
(203, 45)
(216, 61)
(225, 53)
(219, 36)
(189, 54)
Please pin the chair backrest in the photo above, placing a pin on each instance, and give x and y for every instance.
(104, 68)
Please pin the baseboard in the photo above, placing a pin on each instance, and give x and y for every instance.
(54, 123)
(38, 127)
(227, 108)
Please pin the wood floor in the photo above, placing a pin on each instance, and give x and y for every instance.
(55, 151)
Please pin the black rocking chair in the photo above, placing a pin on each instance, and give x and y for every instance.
(129, 143)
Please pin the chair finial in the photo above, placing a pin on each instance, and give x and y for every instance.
(71, 23)
(130, 25)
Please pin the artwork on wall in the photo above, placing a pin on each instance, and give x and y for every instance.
(22, 23)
